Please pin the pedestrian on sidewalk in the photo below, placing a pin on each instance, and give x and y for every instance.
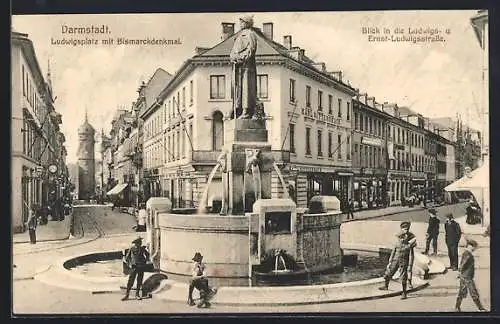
(453, 233)
(136, 258)
(399, 260)
(466, 276)
(200, 282)
(350, 209)
(432, 232)
(32, 223)
(141, 218)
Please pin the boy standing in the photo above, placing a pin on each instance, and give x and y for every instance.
(466, 275)
(399, 259)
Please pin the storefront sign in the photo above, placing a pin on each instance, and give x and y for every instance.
(371, 141)
(311, 169)
(399, 147)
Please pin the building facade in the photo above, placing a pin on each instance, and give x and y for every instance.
(369, 161)
(86, 161)
(308, 118)
(38, 155)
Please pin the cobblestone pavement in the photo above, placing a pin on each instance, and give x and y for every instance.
(30, 296)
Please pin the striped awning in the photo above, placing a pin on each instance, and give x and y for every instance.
(117, 189)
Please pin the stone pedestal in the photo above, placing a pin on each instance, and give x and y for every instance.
(244, 138)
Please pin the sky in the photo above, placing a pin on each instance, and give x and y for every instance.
(435, 79)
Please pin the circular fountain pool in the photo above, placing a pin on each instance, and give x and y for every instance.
(369, 265)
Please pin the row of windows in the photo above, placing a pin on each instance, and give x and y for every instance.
(31, 140)
(418, 163)
(218, 86)
(369, 156)
(320, 100)
(369, 125)
(30, 93)
(332, 147)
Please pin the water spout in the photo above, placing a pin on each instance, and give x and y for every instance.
(280, 176)
(279, 263)
(204, 197)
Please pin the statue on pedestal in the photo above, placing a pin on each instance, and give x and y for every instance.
(244, 76)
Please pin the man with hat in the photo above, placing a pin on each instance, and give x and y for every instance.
(400, 258)
(466, 276)
(432, 232)
(411, 240)
(136, 257)
(200, 282)
(453, 233)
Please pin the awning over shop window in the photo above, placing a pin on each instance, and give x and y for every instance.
(117, 189)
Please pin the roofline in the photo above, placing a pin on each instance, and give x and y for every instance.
(30, 56)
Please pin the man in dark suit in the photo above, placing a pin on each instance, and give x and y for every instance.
(432, 232)
(136, 257)
(453, 233)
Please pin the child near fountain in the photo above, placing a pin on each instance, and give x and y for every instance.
(200, 282)
(400, 259)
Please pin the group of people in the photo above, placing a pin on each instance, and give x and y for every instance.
(137, 260)
(402, 257)
(56, 210)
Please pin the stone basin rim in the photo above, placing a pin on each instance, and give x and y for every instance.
(60, 264)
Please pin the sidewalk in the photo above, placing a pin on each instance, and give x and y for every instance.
(52, 231)
(372, 213)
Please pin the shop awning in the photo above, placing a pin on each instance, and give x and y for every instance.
(117, 189)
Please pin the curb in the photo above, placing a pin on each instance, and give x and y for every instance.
(64, 238)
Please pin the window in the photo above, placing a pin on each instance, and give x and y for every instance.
(262, 89)
(356, 120)
(348, 111)
(330, 143)
(168, 149)
(178, 150)
(320, 100)
(24, 85)
(183, 97)
(178, 101)
(308, 96)
(292, 138)
(339, 150)
(173, 146)
(308, 141)
(320, 143)
(370, 124)
(217, 131)
(399, 137)
(340, 108)
(348, 147)
(379, 128)
(217, 87)
(361, 125)
(330, 104)
(191, 94)
(292, 90)
(183, 144)
(356, 160)
(190, 136)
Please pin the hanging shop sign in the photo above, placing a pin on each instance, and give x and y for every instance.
(371, 141)
(311, 169)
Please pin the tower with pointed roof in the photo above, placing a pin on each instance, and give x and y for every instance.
(86, 160)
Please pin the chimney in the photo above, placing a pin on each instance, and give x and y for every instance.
(370, 101)
(320, 66)
(287, 41)
(362, 97)
(227, 30)
(267, 29)
(337, 75)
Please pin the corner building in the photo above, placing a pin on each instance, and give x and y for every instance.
(308, 118)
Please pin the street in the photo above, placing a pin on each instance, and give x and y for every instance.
(100, 224)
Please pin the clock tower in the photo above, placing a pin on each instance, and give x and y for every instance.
(86, 160)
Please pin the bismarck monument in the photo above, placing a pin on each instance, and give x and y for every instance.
(250, 224)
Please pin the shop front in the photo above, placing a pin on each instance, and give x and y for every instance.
(310, 181)
(370, 189)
